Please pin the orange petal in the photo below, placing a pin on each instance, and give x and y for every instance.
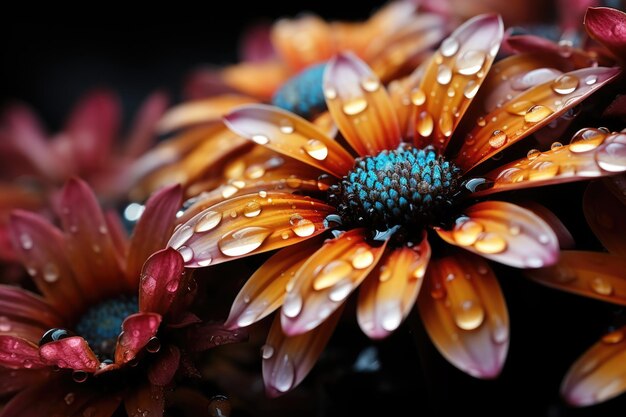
(328, 277)
(266, 288)
(592, 274)
(464, 312)
(599, 374)
(387, 296)
(244, 77)
(453, 77)
(360, 105)
(406, 97)
(304, 41)
(291, 135)
(248, 225)
(605, 215)
(200, 111)
(505, 233)
(288, 359)
(528, 112)
(592, 153)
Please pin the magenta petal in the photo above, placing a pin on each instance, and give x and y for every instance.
(17, 303)
(73, 353)
(19, 353)
(144, 126)
(137, 330)
(256, 44)
(17, 380)
(607, 26)
(160, 280)
(153, 228)
(210, 335)
(165, 366)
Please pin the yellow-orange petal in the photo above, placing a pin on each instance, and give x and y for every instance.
(288, 359)
(303, 41)
(388, 294)
(454, 76)
(244, 77)
(406, 97)
(528, 112)
(328, 277)
(505, 233)
(591, 274)
(605, 215)
(463, 310)
(266, 288)
(599, 374)
(592, 153)
(360, 105)
(248, 225)
(291, 135)
(200, 111)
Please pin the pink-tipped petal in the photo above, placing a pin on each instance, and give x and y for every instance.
(17, 353)
(387, 296)
(160, 280)
(165, 365)
(148, 398)
(153, 228)
(463, 310)
(209, 335)
(70, 353)
(605, 215)
(324, 282)
(137, 330)
(607, 26)
(505, 233)
(290, 135)
(288, 359)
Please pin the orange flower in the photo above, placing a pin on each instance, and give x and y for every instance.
(389, 198)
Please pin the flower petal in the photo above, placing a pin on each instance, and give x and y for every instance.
(164, 367)
(146, 399)
(463, 310)
(70, 353)
(566, 240)
(599, 374)
(617, 185)
(592, 153)
(244, 77)
(12, 381)
(607, 26)
(605, 215)
(206, 336)
(406, 97)
(89, 246)
(266, 288)
(288, 359)
(19, 304)
(360, 105)
(137, 330)
(453, 77)
(256, 45)
(17, 353)
(143, 131)
(592, 274)
(153, 228)
(160, 280)
(118, 234)
(40, 247)
(327, 278)
(505, 233)
(303, 41)
(248, 225)
(290, 135)
(388, 295)
(528, 112)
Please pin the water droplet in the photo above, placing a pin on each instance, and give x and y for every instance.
(50, 273)
(286, 126)
(294, 182)
(5, 324)
(533, 78)
(370, 84)
(261, 139)
(219, 406)
(468, 315)
(80, 376)
(153, 345)
(519, 108)
(302, 227)
(263, 194)
(330, 93)
(537, 113)
(208, 221)
(515, 229)
(534, 262)
(613, 337)
(445, 123)
(316, 149)
(205, 262)
(481, 121)
(490, 242)
(340, 290)
(243, 241)
(417, 96)
(292, 305)
(493, 49)
(186, 252)
(424, 124)
(498, 139)
(26, 241)
(467, 232)
(255, 171)
(612, 156)
(252, 209)
(284, 375)
(354, 106)
(267, 351)
(362, 258)
(391, 319)
(69, 398)
(332, 273)
(555, 146)
(324, 182)
(471, 89)
(601, 286)
(181, 236)
(565, 84)
(444, 75)
(449, 47)
(533, 154)
(172, 285)
(500, 331)
(586, 139)
(591, 80)
(470, 62)
(53, 335)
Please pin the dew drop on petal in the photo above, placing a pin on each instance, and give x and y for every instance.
(613, 337)
(80, 376)
(519, 108)
(260, 139)
(586, 140)
(181, 236)
(555, 146)
(331, 274)
(252, 209)
(205, 261)
(284, 375)
(424, 124)
(537, 113)
(565, 84)
(303, 227)
(5, 324)
(26, 241)
(469, 315)
(362, 258)
(417, 96)
(186, 252)
(330, 93)
(470, 62)
(481, 121)
(267, 351)
(490, 242)
(208, 221)
(601, 286)
(471, 89)
(172, 285)
(255, 171)
(466, 233)
(591, 80)
(612, 156)
(219, 406)
(69, 398)
(449, 47)
(286, 126)
(316, 149)
(500, 331)
(243, 241)
(153, 345)
(50, 273)
(533, 154)
(354, 106)
(370, 84)
(340, 290)
(292, 305)
(498, 139)
(444, 75)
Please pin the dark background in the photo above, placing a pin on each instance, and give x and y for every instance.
(51, 61)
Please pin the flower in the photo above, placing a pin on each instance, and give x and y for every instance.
(91, 281)
(383, 203)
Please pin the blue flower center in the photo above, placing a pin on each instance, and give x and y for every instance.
(302, 94)
(102, 324)
(408, 187)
